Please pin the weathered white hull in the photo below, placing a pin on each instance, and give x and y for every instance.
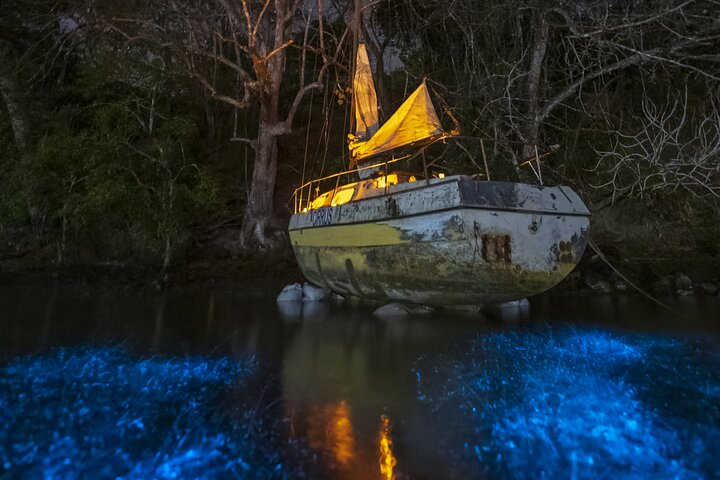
(456, 241)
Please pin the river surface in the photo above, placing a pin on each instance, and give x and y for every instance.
(233, 386)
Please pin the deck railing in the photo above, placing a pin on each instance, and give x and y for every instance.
(303, 195)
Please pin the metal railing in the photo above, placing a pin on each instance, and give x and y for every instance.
(303, 202)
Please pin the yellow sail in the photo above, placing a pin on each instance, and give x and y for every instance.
(364, 97)
(413, 122)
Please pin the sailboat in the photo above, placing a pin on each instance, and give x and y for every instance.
(434, 240)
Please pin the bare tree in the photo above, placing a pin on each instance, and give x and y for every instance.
(247, 41)
(252, 40)
(34, 44)
(12, 96)
(519, 63)
(672, 148)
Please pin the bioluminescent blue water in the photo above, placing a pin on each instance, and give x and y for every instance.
(573, 403)
(100, 413)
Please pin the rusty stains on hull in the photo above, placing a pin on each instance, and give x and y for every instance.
(399, 248)
(437, 273)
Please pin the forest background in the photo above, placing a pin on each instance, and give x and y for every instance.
(167, 136)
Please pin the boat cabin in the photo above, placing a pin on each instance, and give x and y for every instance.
(367, 188)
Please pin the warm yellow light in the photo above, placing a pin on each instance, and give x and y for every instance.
(412, 178)
(441, 175)
(388, 180)
(304, 209)
(343, 196)
(342, 434)
(320, 201)
(387, 460)
(331, 432)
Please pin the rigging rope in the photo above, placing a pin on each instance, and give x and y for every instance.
(329, 113)
(602, 257)
(307, 132)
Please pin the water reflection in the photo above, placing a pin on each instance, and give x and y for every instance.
(310, 311)
(328, 430)
(387, 460)
(348, 388)
(159, 318)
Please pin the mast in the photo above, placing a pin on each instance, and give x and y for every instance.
(364, 105)
(415, 122)
(353, 69)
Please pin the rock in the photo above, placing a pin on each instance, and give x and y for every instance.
(421, 310)
(621, 286)
(683, 285)
(399, 310)
(291, 293)
(337, 298)
(601, 286)
(523, 303)
(574, 281)
(515, 311)
(662, 286)
(311, 293)
(709, 288)
(392, 310)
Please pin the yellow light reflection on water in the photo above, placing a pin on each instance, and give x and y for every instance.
(342, 434)
(331, 431)
(387, 460)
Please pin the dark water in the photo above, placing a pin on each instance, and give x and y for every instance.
(230, 386)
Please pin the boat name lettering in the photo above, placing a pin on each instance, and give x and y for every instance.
(321, 217)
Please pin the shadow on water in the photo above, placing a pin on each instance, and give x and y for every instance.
(241, 386)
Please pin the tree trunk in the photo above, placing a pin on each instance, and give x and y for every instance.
(255, 232)
(531, 127)
(259, 209)
(16, 110)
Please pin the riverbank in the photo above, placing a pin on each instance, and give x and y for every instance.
(263, 274)
(253, 274)
(668, 248)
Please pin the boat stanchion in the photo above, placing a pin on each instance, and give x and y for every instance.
(385, 182)
(427, 179)
(537, 159)
(482, 149)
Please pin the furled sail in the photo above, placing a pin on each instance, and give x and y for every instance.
(364, 97)
(413, 122)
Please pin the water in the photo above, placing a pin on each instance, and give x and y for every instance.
(232, 386)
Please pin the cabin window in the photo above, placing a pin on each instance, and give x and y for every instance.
(320, 201)
(343, 196)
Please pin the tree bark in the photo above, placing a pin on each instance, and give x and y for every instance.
(531, 128)
(254, 232)
(260, 206)
(16, 110)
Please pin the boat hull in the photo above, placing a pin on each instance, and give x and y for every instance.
(455, 242)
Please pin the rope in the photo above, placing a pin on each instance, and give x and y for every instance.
(446, 108)
(599, 253)
(307, 134)
(325, 133)
(309, 122)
